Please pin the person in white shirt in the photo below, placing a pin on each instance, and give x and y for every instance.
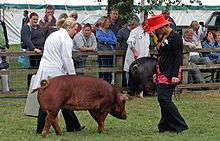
(199, 32)
(57, 60)
(138, 46)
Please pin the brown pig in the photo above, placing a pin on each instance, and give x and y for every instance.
(80, 93)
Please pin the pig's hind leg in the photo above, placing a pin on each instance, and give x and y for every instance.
(56, 126)
(100, 119)
(51, 120)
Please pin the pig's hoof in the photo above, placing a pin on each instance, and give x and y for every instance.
(59, 133)
(102, 131)
(44, 134)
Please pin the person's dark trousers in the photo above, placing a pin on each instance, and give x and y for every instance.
(34, 64)
(171, 120)
(41, 121)
(71, 121)
(105, 61)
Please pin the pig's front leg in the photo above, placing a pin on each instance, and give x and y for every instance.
(100, 119)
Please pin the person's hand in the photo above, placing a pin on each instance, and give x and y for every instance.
(136, 54)
(49, 18)
(154, 78)
(37, 50)
(175, 80)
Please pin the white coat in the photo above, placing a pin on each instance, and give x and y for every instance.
(56, 60)
(57, 57)
(140, 41)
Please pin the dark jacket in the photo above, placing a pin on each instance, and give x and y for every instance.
(115, 27)
(48, 28)
(4, 43)
(122, 37)
(171, 55)
(32, 38)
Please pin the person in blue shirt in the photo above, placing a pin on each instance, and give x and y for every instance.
(104, 35)
(106, 41)
(210, 42)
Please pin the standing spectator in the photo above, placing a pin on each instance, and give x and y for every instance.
(199, 32)
(104, 35)
(57, 60)
(48, 23)
(106, 41)
(25, 19)
(84, 41)
(138, 46)
(3, 63)
(122, 38)
(32, 39)
(62, 16)
(166, 14)
(74, 15)
(114, 26)
(168, 73)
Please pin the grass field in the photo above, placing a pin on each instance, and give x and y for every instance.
(201, 112)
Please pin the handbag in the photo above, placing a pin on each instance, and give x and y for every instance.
(23, 61)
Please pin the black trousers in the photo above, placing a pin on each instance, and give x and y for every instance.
(34, 64)
(71, 121)
(171, 120)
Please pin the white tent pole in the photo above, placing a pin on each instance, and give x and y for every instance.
(142, 12)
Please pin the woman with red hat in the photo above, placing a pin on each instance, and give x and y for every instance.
(168, 72)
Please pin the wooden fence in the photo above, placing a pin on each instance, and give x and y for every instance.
(92, 68)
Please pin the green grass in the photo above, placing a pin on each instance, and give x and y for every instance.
(201, 112)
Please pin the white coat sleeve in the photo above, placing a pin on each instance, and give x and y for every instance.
(132, 39)
(67, 48)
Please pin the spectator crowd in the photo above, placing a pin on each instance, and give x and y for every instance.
(108, 34)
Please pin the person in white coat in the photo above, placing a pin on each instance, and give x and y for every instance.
(57, 60)
(138, 46)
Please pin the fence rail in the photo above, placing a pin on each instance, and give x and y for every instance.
(18, 75)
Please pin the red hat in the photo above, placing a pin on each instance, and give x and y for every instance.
(154, 23)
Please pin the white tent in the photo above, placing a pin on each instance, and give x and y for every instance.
(13, 11)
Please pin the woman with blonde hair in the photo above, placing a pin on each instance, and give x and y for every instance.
(57, 60)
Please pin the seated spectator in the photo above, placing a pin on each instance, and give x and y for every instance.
(217, 39)
(48, 23)
(3, 63)
(106, 41)
(84, 41)
(199, 32)
(210, 42)
(32, 38)
(194, 75)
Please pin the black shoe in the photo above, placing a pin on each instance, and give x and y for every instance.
(80, 128)
(39, 131)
